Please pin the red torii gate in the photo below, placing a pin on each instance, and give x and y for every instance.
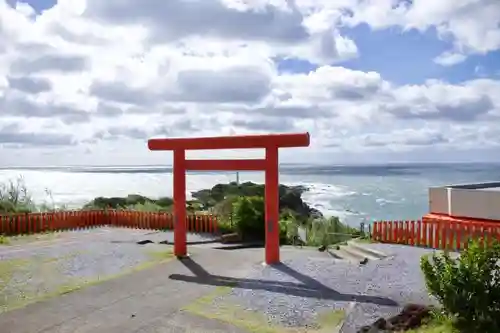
(271, 143)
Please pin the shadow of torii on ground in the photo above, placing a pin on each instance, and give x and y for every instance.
(308, 287)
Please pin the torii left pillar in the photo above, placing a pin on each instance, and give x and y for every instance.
(271, 143)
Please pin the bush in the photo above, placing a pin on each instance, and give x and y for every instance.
(15, 198)
(468, 288)
(325, 232)
(289, 227)
(249, 220)
(249, 216)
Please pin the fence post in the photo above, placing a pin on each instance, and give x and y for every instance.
(412, 233)
(404, 230)
(452, 237)
(396, 238)
(436, 234)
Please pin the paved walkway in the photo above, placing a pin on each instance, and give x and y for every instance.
(151, 300)
(144, 301)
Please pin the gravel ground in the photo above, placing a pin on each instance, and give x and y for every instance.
(296, 293)
(30, 271)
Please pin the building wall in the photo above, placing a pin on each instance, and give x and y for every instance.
(465, 202)
(438, 200)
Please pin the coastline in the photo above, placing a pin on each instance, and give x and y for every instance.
(238, 209)
(352, 193)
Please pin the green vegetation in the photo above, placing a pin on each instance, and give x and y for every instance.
(133, 202)
(7, 269)
(23, 239)
(240, 208)
(4, 240)
(213, 307)
(21, 292)
(248, 219)
(468, 288)
(15, 198)
(438, 323)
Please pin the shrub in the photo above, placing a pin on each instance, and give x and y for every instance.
(249, 219)
(288, 225)
(248, 216)
(468, 288)
(15, 198)
(325, 232)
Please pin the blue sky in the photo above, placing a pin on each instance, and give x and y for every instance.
(406, 57)
(38, 5)
(373, 90)
(402, 57)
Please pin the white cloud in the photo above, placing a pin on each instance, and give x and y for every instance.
(449, 59)
(91, 81)
(473, 26)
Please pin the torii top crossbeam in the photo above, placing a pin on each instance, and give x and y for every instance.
(232, 142)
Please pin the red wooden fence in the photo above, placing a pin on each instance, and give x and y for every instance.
(19, 224)
(435, 233)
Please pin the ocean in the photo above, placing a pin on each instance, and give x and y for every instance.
(354, 193)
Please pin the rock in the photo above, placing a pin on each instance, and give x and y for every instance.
(369, 329)
(380, 323)
(290, 197)
(410, 317)
(144, 242)
(230, 238)
(297, 241)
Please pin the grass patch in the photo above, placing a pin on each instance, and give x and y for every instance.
(17, 293)
(25, 239)
(436, 325)
(156, 257)
(159, 255)
(7, 269)
(365, 240)
(254, 321)
(47, 267)
(4, 240)
(331, 319)
(78, 284)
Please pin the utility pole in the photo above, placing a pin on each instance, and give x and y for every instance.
(237, 178)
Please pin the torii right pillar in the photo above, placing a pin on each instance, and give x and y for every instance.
(272, 210)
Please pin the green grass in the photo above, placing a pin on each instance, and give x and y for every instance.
(436, 325)
(25, 239)
(365, 240)
(56, 284)
(254, 321)
(4, 240)
(159, 255)
(7, 269)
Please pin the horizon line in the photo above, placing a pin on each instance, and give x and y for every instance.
(281, 164)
